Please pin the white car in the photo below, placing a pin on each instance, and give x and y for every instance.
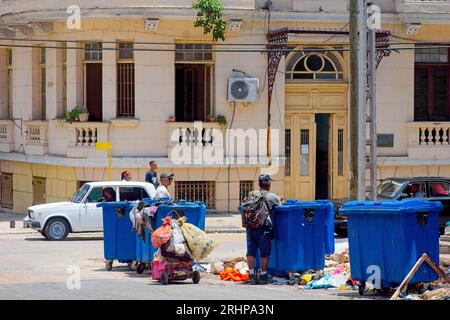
(56, 220)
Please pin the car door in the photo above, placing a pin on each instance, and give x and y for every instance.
(91, 215)
(440, 191)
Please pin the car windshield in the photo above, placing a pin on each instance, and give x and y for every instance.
(79, 195)
(388, 188)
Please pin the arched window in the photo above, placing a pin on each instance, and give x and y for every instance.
(314, 65)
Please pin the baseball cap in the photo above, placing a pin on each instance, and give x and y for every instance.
(166, 175)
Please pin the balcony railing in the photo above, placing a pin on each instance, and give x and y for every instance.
(82, 137)
(36, 133)
(429, 139)
(36, 137)
(429, 133)
(188, 140)
(6, 136)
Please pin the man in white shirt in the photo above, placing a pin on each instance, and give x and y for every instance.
(165, 181)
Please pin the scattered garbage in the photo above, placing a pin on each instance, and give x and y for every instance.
(230, 274)
(216, 266)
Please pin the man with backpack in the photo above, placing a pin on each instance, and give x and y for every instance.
(257, 217)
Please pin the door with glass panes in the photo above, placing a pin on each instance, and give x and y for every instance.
(315, 152)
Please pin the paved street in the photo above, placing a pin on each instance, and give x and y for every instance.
(31, 267)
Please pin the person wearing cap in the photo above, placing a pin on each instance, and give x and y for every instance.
(165, 181)
(261, 238)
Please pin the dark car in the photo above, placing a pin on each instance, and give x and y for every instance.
(427, 188)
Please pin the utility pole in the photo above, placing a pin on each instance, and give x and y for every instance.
(362, 94)
(372, 120)
(353, 33)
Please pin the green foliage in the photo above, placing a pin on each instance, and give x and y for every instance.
(222, 121)
(209, 17)
(74, 114)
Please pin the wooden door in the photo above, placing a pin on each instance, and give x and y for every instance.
(299, 180)
(94, 91)
(339, 163)
(38, 190)
(303, 102)
(190, 92)
(7, 190)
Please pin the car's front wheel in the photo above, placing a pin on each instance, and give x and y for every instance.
(57, 229)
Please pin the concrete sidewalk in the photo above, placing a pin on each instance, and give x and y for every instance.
(215, 223)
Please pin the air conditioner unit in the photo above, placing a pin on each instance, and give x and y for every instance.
(243, 89)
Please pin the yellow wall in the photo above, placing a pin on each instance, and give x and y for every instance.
(60, 184)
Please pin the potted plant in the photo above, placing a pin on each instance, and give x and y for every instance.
(84, 115)
(77, 114)
(222, 122)
(172, 118)
(211, 118)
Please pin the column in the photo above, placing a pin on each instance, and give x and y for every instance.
(22, 83)
(55, 82)
(3, 85)
(109, 91)
(74, 80)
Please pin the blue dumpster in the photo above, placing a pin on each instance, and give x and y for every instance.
(195, 213)
(304, 233)
(392, 236)
(328, 210)
(119, 239)
(300, 238)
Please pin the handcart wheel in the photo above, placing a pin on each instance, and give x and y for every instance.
(196, 277)
(108, 265)
(361, 288)
(140, 268)
(164, 278)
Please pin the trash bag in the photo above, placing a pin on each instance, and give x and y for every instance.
(163, 234)
(197, 241)
(216, 267)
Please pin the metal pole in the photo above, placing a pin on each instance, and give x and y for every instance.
(373, 113)
(353, 110)
(362, 81)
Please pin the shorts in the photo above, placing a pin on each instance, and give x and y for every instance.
(259, 239)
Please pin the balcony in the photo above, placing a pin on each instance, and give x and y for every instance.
(6, 136)
(82, 137)
(429, 140)
(421, 6)
(36, 137)
(98, 7)
(195, 142)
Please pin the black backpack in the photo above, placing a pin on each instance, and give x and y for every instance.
(255, 211)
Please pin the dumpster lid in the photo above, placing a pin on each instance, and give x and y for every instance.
(392, 205)
(115, 204)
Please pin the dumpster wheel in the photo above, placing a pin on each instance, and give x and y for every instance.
(140, 268)
(196, 277)
(361, 288)
(108, 265)
(164, 278)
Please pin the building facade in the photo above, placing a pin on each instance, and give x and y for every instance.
(150, 81)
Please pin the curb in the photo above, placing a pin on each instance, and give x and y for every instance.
(207, 231)
(225, 230)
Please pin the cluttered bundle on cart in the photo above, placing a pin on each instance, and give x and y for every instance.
(179, 243)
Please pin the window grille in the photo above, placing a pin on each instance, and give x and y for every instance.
(245, 187)
(204, 191)
(93, 51)
(189, 52)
